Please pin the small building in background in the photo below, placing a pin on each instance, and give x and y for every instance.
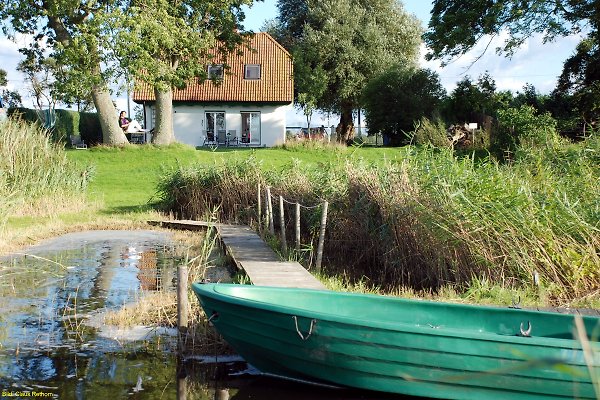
(246, 106)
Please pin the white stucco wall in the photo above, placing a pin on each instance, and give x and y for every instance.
(189, 122)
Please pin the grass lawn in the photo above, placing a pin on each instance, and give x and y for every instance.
(124, 179)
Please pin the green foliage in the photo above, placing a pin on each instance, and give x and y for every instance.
(89, 128)
(34, 172)
(68, 123)
(348, 42)
(396, 99)
(456, 26)
(427, 218)
(429, 132)
(469, 100)
(522, 126)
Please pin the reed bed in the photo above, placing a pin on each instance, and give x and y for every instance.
(429, 219)
(35, 176)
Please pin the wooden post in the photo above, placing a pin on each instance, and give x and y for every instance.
(270, 211)
(259, 210)
(182, 299)
(282, 222)
(297, 226)
(322, 236)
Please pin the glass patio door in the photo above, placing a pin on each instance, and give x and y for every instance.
(215, 122)
(251, 128)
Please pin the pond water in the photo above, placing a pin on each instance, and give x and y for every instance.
(49, 349)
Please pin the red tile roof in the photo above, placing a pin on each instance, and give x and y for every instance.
(275, 85)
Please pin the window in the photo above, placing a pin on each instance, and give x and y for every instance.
(252, 71)
(215, 71)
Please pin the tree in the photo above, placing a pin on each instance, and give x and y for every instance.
(469, 100)
(456, 26)
(8, 98)
(164, 44)
(348, 42)
(394, 100)
(580, 79)
(72, 29)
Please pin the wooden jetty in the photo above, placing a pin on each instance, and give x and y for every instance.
(251, 254)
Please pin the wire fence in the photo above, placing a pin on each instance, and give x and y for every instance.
(269, 220)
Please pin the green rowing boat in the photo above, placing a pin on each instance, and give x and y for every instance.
(412, 347)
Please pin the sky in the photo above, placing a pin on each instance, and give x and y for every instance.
(535, 63)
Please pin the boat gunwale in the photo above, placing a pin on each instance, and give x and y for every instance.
(543, 341)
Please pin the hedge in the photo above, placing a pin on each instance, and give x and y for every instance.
(68, 122)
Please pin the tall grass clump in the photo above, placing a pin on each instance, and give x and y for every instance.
(35, 176)
(194, 191)
(429, 219)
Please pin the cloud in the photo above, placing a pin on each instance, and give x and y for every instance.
(10, 56)
(536, 63)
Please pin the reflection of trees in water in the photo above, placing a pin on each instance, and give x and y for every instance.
(97, 375)
(100, 275)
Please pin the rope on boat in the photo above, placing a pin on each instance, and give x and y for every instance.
(313, 322)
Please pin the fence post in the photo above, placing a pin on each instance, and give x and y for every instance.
(282, 222)
(270, 211)
(259, 210)
(322, 236)
(182, 298)
(297, 226)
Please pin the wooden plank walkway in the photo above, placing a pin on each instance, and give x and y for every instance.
(251, 254)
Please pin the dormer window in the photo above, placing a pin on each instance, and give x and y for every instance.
(252, 71)
(215, 71)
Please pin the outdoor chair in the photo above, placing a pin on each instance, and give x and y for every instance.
(222, 137)
(77, 142)
(245, 138)
(232, 138)
(209, 138)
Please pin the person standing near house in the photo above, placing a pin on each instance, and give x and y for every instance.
(128, 125)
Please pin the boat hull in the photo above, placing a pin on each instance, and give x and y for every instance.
(403, 346)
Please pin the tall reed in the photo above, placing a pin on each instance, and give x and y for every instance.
(35, 175)
(429, 218)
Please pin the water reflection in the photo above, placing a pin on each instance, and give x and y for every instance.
(46, 346)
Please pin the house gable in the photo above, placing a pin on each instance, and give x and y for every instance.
(274, 84)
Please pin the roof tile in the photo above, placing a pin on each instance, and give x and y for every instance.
(275, 85)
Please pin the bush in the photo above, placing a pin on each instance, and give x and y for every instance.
(68, 122)
(89, 128)
(431, 133)
(522, 127)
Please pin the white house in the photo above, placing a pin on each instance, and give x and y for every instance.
(247, 107)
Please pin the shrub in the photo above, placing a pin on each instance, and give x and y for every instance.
(89, 128)
(524, 128)
(429, 132)
(68, 122)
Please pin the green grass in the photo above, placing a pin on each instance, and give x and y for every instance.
(125, 178)
(424, 217)
(463, 217)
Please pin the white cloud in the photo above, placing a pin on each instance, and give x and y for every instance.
(535, 62)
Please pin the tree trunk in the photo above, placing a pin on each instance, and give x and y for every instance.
(345, 129)
(164, 117)
(107, 114)
(112, 133)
